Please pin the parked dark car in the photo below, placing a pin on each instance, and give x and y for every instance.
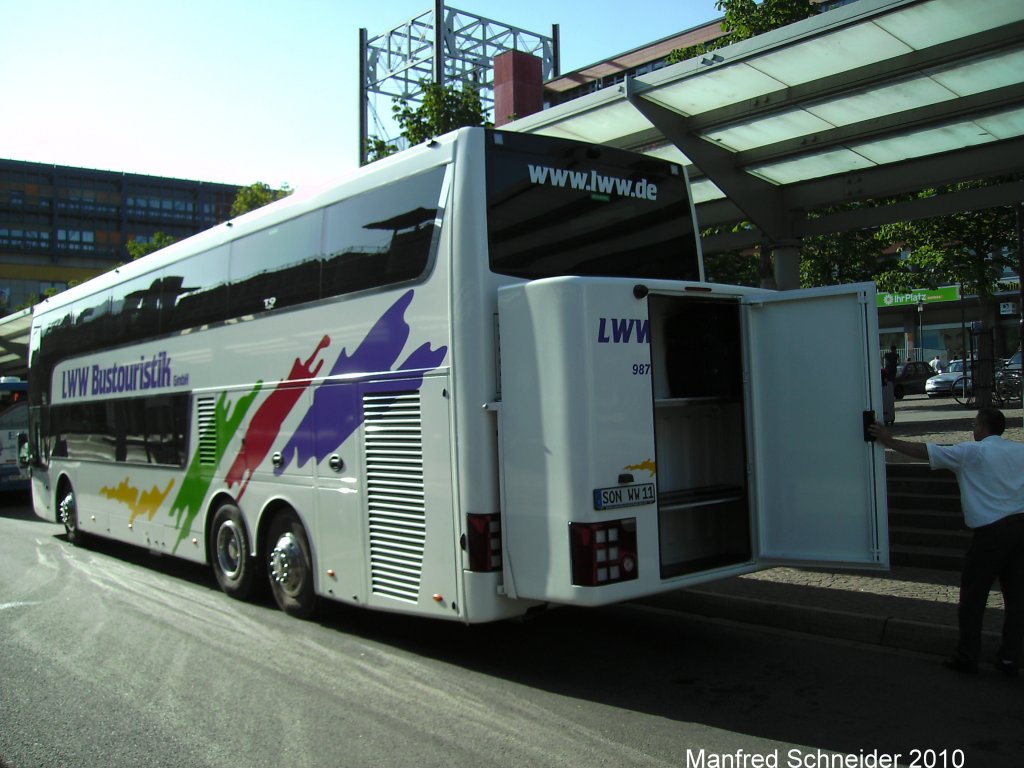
(910, 379)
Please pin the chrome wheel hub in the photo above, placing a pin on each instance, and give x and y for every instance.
(287, 565)
(67, 513)
(230, 549)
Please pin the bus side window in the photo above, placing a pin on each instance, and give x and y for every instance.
(382, 237)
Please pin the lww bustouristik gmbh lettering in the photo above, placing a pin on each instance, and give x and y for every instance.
(153, 373)
(623, 330)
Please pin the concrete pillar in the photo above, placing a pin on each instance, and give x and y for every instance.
(518, 86)
(787, 265)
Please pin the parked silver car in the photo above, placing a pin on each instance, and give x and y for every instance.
(941, 385)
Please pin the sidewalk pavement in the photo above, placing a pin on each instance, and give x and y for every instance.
(907, 608)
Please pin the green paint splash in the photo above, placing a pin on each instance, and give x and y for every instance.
(198, 478)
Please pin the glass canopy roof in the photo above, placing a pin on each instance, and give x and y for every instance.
(897, 94)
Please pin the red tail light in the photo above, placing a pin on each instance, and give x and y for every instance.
(603, 553)
(483, 542)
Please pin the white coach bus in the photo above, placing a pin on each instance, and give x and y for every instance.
(476, 378)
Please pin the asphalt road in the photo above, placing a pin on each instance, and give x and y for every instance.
(110, 656)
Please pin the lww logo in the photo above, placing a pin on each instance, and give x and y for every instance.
(623, 330)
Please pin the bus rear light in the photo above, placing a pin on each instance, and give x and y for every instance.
(483, 542)
(603, 553)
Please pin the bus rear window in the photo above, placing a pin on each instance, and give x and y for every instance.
(561, 208)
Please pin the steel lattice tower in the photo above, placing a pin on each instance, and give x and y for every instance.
(460, 50)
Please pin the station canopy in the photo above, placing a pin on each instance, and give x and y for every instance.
(873, 99)
(14, 333)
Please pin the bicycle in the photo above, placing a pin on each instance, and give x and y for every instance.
(963, 391)
(1006, 387)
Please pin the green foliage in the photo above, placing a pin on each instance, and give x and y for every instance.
(840, 258)
(137, 249)
(444, 109)
(963, 248)
(747, 18)
(377, 148)
(256, 196)
(34, 299)
(733, 268)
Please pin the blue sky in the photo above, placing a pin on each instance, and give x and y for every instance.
(239, 91)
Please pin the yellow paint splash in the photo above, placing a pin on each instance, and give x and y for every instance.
(140, 503)
(647, 465)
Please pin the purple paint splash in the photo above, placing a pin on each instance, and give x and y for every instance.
(337, 409)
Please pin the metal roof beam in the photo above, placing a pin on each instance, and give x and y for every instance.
(759, 200)
(933, 115)
(919, 208)
(890, 70)
(983, 161)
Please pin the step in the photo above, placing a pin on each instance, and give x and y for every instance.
(937, 519)
(925, 557)
(920, 469)
(929, 501)
(936, 485)
(955, 541)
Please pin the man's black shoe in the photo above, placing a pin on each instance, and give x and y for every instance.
(960, 664)
(1008, 668)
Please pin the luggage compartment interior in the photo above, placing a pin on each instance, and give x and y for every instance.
(697, 377)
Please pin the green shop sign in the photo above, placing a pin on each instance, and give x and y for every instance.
(922, 295)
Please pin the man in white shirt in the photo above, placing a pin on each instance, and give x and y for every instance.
(990, 472)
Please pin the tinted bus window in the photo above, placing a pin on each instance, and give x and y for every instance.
(276, 267)
(381, 237)
(559, 208)
(195, 291)
(147, 430)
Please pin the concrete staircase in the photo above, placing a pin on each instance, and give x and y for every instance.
(926, 528)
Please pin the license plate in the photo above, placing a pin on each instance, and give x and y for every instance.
(624, 496)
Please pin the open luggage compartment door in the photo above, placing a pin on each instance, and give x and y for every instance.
(819, 486)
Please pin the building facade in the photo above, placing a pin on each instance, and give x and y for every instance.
(947, 322)
(60, 224)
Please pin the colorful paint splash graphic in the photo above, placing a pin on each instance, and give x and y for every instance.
(337, 407)
(199, 476)
(647, 465)
(335, 413)
(266, 422)
(139, 502)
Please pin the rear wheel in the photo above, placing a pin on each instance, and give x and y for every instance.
(290, 566)
(963, 391)
(67, 512)
(234, 568)
(1006, 389)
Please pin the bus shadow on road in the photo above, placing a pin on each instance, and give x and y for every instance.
(770, 685)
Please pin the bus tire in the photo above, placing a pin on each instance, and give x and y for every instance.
(67, 513)
(290, 565)
(232, 565)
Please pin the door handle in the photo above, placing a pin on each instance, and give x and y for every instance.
(336, 463)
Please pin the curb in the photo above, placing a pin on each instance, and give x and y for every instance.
(885, 631)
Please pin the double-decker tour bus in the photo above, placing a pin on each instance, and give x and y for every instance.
(478, 377)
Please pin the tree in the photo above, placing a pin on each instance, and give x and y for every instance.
(747, 18)
(256, 196)
(840, 258)
(138, 248)
(443, 109)
(966, 249)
